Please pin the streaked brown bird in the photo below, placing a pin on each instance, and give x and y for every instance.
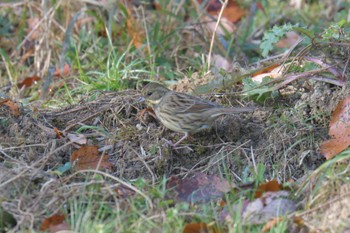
(184, 113)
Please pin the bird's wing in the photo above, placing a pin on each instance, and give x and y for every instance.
(184, 103)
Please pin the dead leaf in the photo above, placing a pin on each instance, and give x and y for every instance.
(340, 120)
(270, 205)
(87, 157)
(221, 62)
(270, 224)
(63, 71)
(225, 25)
(202, 227)
(200, 188)
(334, 146)
(77, 138)
(55, 223)
(270, 186)
(272, 71)
(298, 220)
(233, 12)
(339, 130)
(196, 228)
(124, 191)
(267, 69)
(27, 82)
(290, 39)
(14, 108)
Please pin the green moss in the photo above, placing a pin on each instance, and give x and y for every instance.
(127, 133)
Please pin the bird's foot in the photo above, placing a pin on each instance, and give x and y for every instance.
(175, 145)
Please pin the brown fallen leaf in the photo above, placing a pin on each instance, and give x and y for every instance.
(270, 205)
(334, 146)
(14, 108)
(340, 120)
(202, 227)
(199, 188)
(339, 130)
(55, 223)
(290, 39)
(124, 191)
(272, 71)
(63, 71)
(225, 25)
(27, 82)
(79, 139)
(87, 157)
(271, 223)
(233, 12)
(270, 186)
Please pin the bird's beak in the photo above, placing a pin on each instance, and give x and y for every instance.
(140, 99)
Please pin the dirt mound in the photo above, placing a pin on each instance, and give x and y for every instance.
(282, 138)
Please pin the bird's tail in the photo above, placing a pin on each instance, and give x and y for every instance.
(223, 111)
(239, 110)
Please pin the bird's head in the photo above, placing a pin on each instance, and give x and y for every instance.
(153, 93)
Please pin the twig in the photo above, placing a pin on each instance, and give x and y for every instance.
(214, 32)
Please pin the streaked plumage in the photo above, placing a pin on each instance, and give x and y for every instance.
(184, 113)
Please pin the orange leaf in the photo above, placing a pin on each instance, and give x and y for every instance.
(66, 69)
(87, 157)
(270, 224)
(272, 71)
(339, 130)
(196, 228)
(202, 227)
(14, 108)
(340, 120)
(27, 82)
(270, 186)
(233, 12)
(55, 223)
(299, 220)
(334, 146)
(267, 69)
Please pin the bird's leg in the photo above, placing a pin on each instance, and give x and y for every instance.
(174, 145)
(181, 139)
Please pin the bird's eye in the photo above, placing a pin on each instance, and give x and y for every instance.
(149, 93)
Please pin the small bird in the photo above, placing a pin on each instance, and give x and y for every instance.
(184, 113)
